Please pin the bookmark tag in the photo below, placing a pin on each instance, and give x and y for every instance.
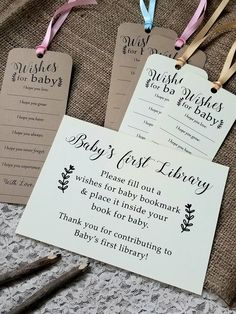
(130, 45)
(154, 92)
(33, 102)
(158, 45)
(197, 120)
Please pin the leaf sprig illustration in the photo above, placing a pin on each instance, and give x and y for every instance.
(148, 83)
(220, 124)
(189, 216)
(13, 78)
(179, 102)
(65, 176)
(60, 82)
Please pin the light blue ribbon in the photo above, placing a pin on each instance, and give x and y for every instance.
(148, 15)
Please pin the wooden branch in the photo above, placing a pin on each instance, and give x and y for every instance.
(52, 287)
(28, 269)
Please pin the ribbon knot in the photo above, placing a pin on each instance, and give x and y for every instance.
(193, 25)
(148, 25)
(56, 22)
(180, 42)
(148, 14)
(180, 62)
(217, 85)
(40, 51)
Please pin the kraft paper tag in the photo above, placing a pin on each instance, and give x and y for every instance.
(158, 45)
(139, 207)
(130, 45)
(33, 102)
(154, 92)
(197, 120)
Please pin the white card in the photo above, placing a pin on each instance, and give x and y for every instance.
(164, 46)
(139, 207)
(154, 92)
(197, 120)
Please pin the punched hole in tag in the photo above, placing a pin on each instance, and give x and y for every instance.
(39, 55)
(177, 67)
(148, 30)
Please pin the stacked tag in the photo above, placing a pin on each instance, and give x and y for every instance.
(133, 46)
(151, 99)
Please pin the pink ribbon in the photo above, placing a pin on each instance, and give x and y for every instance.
(193, 24)
(56, 22)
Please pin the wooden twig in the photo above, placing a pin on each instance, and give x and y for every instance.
(52, 287)
(28, 269)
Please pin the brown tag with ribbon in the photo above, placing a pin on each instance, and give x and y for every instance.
(130, 46)
(33, 102)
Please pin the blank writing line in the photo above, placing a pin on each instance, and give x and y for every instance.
(191, 128)
(14, 195)
(145, 115)
(49, 114)
(132, 127)
(24, 143)
(21, 159)
(127, 66)
(184, 142)
(27, 127)
(153, 103)
(123, 80)
(15, 175)
(120, 94)
(35, 97)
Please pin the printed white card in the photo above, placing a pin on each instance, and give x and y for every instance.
(197, 120)
(155, 45)
(144, 208)
(154, 92)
